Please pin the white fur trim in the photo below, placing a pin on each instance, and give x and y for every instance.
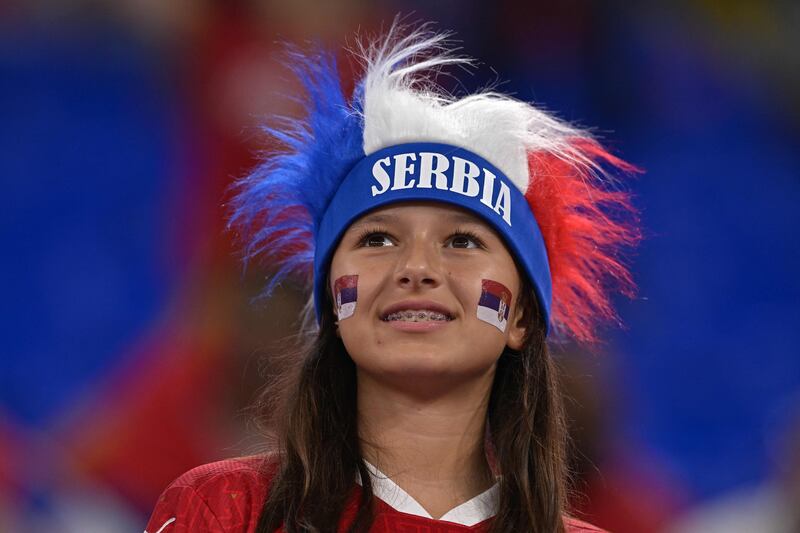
(402, 104)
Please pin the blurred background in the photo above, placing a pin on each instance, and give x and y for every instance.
(130, 345)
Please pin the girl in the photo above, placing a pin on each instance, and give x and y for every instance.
(445, 239)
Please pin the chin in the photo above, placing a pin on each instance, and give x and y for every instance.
(407, 364)
(410, 361)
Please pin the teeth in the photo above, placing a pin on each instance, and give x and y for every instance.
(417, 315)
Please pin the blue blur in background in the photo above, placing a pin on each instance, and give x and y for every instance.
(84, 152)
(703, 98)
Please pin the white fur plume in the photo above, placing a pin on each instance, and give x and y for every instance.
(403, 104)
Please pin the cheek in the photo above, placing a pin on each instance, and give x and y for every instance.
(345, 287)
(494, 304)
(487, 294)
(345, 295)
(353, 294)
(480, 284)
(465, 284)
(357, 330)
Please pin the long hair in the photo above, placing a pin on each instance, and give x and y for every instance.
(320, 454)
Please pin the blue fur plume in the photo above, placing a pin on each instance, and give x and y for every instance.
(278, 206)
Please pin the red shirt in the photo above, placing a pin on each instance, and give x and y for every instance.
(228, 496)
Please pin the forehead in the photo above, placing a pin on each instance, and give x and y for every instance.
(419, 211)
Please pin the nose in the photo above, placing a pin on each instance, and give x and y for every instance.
(419, 266)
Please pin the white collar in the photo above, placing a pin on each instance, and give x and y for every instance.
(469, 513)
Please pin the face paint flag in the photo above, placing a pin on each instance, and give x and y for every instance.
(494, 303)
(345, 290)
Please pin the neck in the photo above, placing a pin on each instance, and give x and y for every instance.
(431, 445)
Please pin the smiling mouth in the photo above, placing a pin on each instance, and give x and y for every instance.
(417, 315)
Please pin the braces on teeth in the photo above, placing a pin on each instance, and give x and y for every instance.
(416, 316)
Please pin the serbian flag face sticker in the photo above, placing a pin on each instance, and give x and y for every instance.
(494, 303)
(345, 290)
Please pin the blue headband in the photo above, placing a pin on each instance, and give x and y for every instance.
(442, 173)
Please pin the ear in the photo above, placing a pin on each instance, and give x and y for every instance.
(516, 329)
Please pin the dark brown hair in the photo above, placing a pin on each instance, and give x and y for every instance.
(320, 452)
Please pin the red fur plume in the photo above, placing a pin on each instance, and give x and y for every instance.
(585, 225)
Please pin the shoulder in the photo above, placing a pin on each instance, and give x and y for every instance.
(254, 471)
(573, 525)
(222, 496)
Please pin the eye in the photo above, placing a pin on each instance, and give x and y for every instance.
(464, 239)
(373, 240)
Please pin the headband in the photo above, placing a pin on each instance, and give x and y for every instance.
(548, 188)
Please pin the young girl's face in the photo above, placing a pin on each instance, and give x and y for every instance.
(422, 269)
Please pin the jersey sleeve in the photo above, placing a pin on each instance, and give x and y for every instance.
(180, 510)
(222, 496)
